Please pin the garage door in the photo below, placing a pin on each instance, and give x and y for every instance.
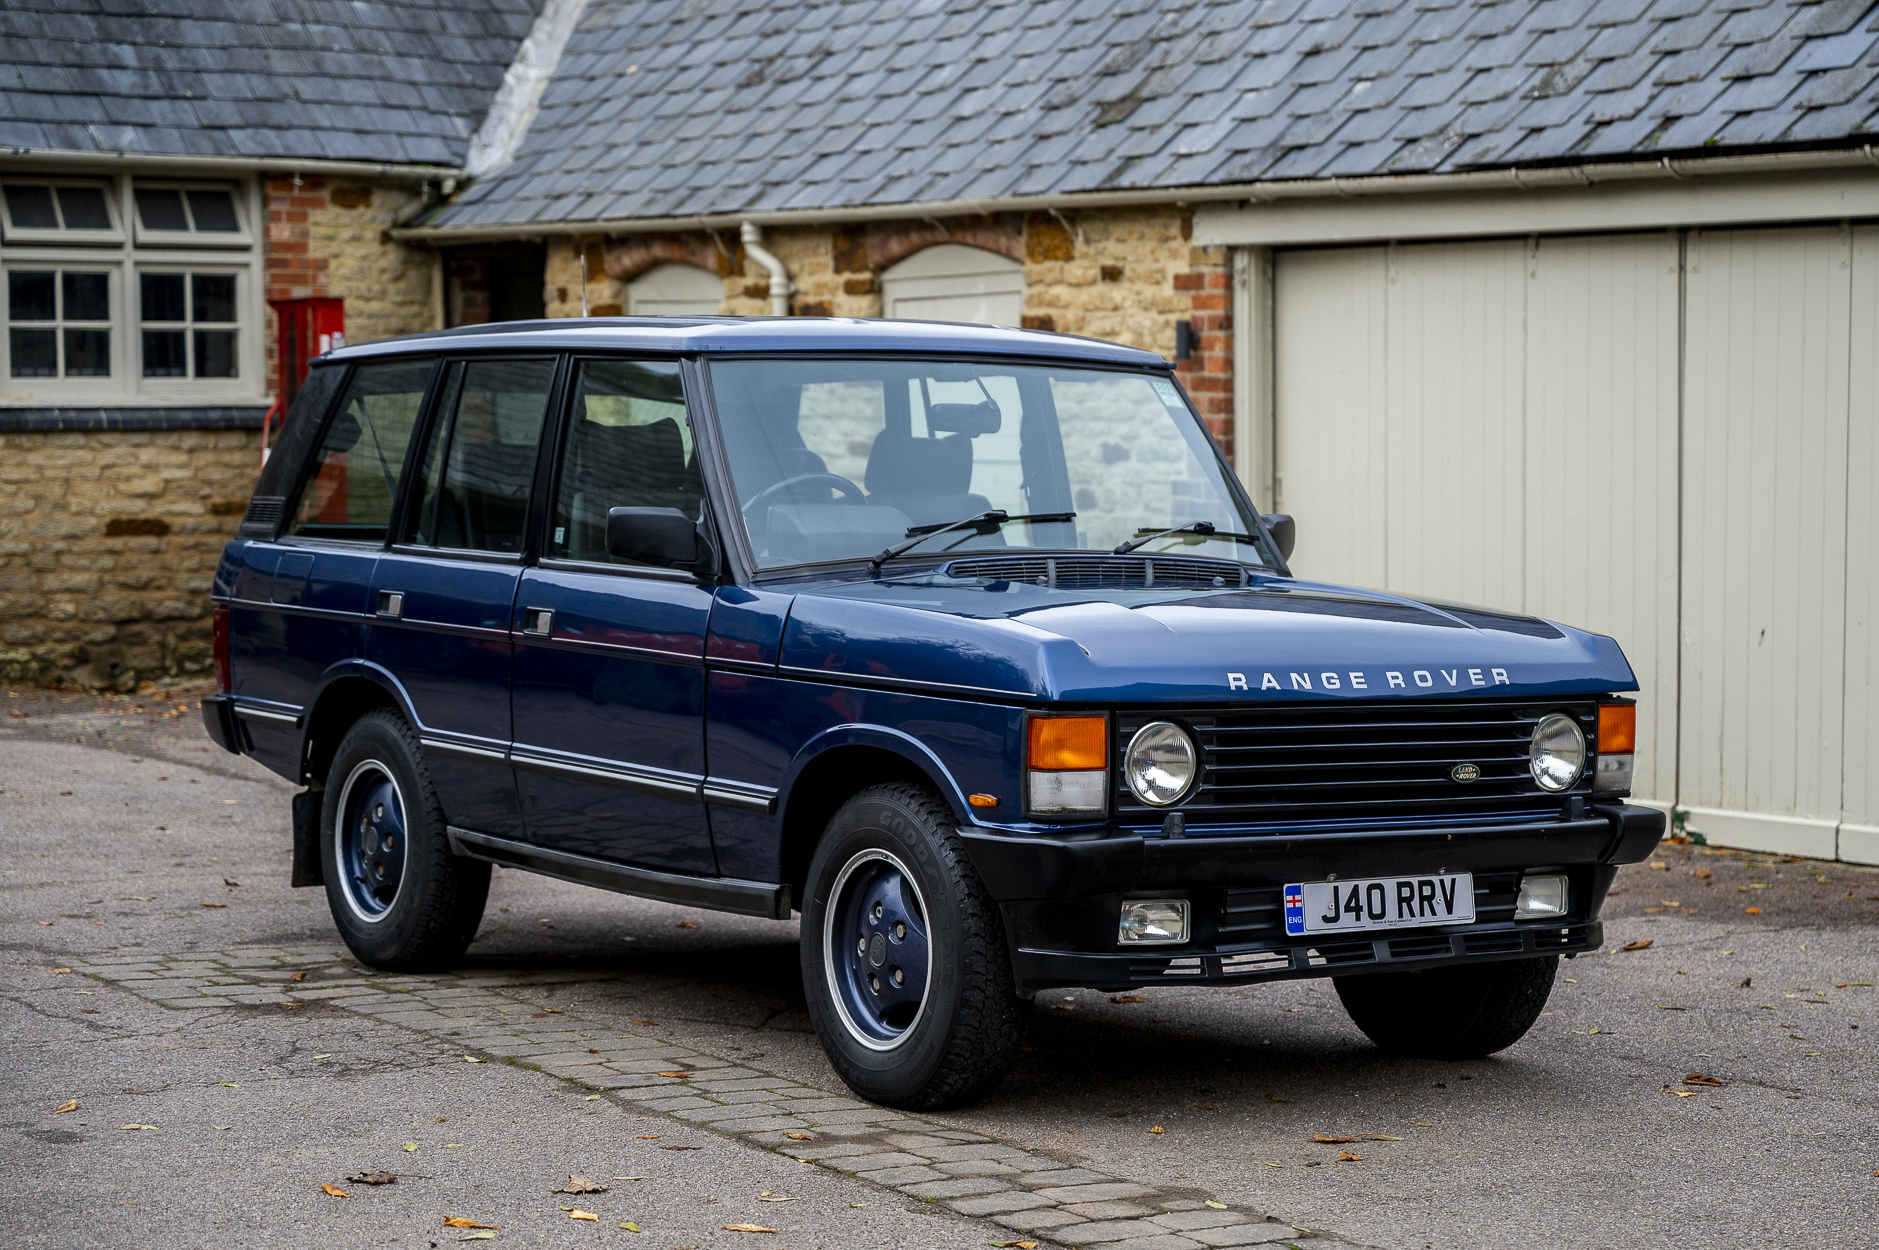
(1669, 438)
(1493, 423)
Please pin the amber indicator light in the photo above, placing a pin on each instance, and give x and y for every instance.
(1617, 728)
(1069, 743)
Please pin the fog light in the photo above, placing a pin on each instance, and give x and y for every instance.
(1156, 921)
(1541, 897)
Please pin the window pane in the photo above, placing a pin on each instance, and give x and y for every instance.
(83, 208)
(213, 211)
(31, 208)
(213, 296)
(629, 446)
(87, 296)
(483, 503)
(161, 210)
(87, 353)
(215, 353)
(162, 296)
(163, 354)
(354, 475)
(29, 295)
(35, 353)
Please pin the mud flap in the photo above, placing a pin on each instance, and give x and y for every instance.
(307, 868)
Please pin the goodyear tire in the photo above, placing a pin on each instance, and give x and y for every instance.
(903, 955)
(1450, 1013)
(400, 899)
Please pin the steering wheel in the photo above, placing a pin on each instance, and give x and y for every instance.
(850, 493)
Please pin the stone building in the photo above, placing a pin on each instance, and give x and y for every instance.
(1567, 306)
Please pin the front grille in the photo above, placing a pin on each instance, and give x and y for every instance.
(1307, 957)
(1338, 765)
(1105, 572)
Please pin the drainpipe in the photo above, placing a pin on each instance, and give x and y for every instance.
(780, 287)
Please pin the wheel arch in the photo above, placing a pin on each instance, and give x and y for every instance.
(839, 765)
(341, 701)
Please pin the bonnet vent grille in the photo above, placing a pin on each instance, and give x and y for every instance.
(1105, 572)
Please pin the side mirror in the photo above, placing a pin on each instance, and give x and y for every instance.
(663, 537)
(1283, 529)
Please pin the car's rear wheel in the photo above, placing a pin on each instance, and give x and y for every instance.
(400, 899)
(903, 955)
(1450, 1013)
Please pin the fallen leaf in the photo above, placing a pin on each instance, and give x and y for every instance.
(1350, 1158)
(767, 1198)
(1700, 1078)
(1751, 911)
(578, 1214)
(680, 1074)
(629, 1178)
(373, 1178)
(1640, 944)
(1332, 1141)
(64, 1107)
(224, 1127)
(1658, 863)
(630, 1227)
(473, 1059)
(477, 1237)
(1701, 872)
(639, 1022)
(458, 1221)
(743, 1228)
(230, 1084)
(692, 924)
(46, 922)
(298, 976)
(150, 1127)
(230, 881)
(1271, 1164)
(410, 1146)
(1218, 1206)
(1276, 1098)
(681, 1147)
(68, 969)
(1114, 998)
(216, 906)
(336, 1191)
(593, 1098)
(1020, 1245)
(581, 1185)
(1158, 1129)
(547, 1011)
(800, 1136)
(1744, 983)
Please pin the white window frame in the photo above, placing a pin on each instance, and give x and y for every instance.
(126, 257)
(25, 235)
(146, 237)
(75, 263)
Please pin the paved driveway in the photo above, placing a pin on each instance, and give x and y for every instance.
(173, 1015)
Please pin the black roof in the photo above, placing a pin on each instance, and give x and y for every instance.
(669, 108)
(403, 81)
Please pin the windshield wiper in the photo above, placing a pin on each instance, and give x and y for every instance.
(1192, 527)
(984, 522)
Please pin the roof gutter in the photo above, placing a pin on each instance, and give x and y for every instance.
(175, 164)
(1252, 192)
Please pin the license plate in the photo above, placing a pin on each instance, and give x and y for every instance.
(1379, 903)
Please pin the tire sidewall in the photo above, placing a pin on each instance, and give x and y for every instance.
(375, 739)
(876, 822)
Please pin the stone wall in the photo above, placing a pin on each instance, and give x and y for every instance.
(108, 543)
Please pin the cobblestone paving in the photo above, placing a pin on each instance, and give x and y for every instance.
(488, 1014)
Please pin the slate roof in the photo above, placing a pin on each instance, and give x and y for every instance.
(662, 108)
(405, 81)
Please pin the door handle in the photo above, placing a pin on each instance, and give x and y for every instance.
(538, 621)
(391, 603)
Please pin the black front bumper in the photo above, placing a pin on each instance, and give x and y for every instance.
(1061, 897)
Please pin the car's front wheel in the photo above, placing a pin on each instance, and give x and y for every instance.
(400, 899)
(1450, 1013)
(903, 955)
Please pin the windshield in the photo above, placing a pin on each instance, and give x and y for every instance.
(839, 459)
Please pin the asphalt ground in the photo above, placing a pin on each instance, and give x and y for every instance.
(1584, 1134)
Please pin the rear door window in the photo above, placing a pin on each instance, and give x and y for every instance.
(473, 489)
(353, 479)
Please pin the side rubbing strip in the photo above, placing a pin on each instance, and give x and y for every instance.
(627, 778)
(461, 750)
(263, 714)
(745, 798)
(746, 898)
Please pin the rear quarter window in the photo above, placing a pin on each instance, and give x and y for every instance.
(352, 480)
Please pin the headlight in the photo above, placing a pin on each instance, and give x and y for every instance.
(1160, 763)
(1557, 753)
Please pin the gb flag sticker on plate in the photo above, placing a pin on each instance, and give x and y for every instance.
(1379, 903)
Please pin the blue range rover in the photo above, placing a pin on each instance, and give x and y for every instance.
(964, 643)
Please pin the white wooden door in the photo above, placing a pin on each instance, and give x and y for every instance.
(1764, 536)
(674, 290)
(951, 282)
(1859, 829)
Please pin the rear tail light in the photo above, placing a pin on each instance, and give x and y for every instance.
(1617, 747)
(1067, 765)
(218, 634)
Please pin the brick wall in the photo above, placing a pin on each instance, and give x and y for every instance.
(108, 543)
